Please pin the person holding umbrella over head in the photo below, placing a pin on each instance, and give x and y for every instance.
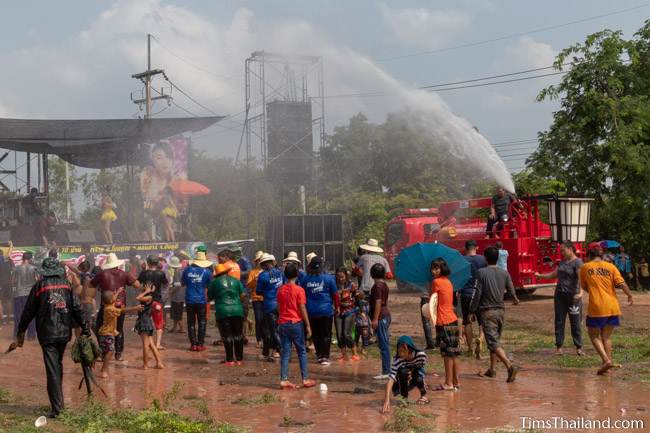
(54, 308)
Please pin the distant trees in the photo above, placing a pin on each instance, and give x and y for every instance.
(599, 141)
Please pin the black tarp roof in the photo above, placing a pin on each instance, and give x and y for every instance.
(101, 143)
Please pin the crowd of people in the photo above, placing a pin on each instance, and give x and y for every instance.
(296, 305)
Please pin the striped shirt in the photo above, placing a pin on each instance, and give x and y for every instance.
(417, 363)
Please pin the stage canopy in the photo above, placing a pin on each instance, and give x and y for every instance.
(94, 143)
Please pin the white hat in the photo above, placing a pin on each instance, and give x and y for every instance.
(310, 256)
(292, 256)
(112, 262)
(258, 256)
(175, 262)
(373, 246)
(267, 258)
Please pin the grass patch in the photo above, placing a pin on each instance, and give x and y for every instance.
(288, 421)
(5, 396)
(266, 398)
(408, 420)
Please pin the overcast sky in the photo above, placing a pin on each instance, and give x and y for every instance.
(74, 59)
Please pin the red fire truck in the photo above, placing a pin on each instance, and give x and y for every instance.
(523, 234)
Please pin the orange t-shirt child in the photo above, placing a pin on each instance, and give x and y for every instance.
(445, 290)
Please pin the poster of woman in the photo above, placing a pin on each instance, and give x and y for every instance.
(164, 186)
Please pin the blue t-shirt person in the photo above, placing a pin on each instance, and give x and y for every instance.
(321, 291)
(196, 279)
(476, 262)
(268, 284)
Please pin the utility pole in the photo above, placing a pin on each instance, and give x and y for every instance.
(146, 78)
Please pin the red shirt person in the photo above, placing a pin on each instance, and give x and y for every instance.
(112, 278)
(292, 323)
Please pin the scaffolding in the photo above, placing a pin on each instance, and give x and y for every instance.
(272, 77)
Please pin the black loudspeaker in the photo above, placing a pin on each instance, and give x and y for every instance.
(81, 236)
(5, 236)
(290, 142)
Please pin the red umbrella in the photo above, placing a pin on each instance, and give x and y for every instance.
(188, 187)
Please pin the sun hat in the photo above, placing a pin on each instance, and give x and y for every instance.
(50, 267)
(267, 258)
(258, 256)
(175, 262)
(221, 269)
(372, 246)
(112, 262)
(201, 260)
(292, 256)
(310, 256)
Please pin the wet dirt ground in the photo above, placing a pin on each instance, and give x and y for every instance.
(541, 391)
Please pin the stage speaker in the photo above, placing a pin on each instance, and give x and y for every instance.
(81, 236)
(5, 236)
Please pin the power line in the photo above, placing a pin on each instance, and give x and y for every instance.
(492, 77)
(514, 35)
(209, 110)
(198, 68)
(500, 143)
(513, 80)
(443, 87)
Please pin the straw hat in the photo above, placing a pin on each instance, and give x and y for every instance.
(175, 262)
(372, 246)
(201, 260)
(258, 256)
(267, 258)
(310, 256)
(112, 262)
(292, 256)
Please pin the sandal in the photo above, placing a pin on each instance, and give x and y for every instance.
(488, 373)
(288, 387)
(309, 383)
(441, 387)
(422, 401)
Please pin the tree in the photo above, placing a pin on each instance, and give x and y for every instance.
(58, 193)
(599, 141)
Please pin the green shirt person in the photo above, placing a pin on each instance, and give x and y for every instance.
(227, 293)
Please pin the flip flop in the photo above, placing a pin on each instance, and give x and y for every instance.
(605, 369)
(488, 373)
(289, 387)
(512, 374)
(441, 387)
(309, 383)
(422, 401)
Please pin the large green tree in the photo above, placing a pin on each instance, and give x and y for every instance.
(599, 141)
(58, 193)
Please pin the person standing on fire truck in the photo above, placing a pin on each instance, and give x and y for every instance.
(500, 205)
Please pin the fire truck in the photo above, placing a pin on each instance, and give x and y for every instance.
(523, 234)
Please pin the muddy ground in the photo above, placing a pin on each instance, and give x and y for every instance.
(548, 386)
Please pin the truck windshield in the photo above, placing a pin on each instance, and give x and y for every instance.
(394, 233)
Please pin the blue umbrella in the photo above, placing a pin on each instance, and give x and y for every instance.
(414, 263)
(610, 244)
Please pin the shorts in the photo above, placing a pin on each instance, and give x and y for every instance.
(106, 343)
(492, 322)
(157, 315)
(601, 322)
(465, 303)
(448, 339)
(88, 313)
(177, 311)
